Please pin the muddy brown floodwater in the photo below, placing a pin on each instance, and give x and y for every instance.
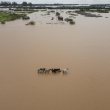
(84, 48)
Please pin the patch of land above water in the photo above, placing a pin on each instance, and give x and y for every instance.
(9, 16)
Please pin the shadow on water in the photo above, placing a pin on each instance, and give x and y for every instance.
(44, 73)
(57, 73)
(49, 73)
(65, 74)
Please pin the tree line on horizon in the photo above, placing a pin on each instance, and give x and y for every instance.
(6, 3)
(24, 5)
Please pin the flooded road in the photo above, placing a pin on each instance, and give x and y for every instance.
(84, 48)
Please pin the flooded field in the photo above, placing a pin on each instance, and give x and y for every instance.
(84, 48)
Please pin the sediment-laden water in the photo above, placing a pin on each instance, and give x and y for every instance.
(84, 48)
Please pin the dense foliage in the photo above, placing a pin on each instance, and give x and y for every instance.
(57, 13)
(9, 16)
(31, 23)
(70, 20)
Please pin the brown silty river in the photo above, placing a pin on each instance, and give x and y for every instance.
(84, 48)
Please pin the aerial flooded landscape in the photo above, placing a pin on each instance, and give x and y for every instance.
(54, 57)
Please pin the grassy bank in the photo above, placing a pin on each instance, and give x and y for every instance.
(9, 16)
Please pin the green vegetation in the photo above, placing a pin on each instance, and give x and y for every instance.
(31, 23)
(52, 11)
(94, 10)
(57, 13)
(9, 16)
(45, 14)
(71, 13)
(26, 11)
(103, 11)
(43, 10)
(3, 22)
(70, 20)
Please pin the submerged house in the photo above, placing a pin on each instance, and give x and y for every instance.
(60, 18)
(25, 17)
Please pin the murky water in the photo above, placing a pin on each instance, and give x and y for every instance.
(84, 48)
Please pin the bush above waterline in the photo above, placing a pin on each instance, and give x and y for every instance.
(72, 22)
(57, 13)
(3, 22)
(31, 23)
(68, 19)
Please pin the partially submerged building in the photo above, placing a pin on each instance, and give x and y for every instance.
(60, 18)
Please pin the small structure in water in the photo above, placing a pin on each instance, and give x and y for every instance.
(25, 17)
(60, 18)
(52, 18)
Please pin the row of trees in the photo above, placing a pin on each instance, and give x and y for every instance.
(5, 3)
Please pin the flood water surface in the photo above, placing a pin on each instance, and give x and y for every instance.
(84, 48)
